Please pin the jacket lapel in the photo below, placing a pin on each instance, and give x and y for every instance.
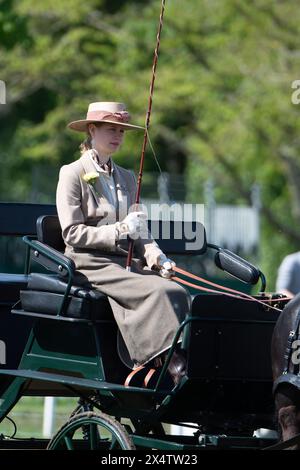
(96, 189)
(124, 195)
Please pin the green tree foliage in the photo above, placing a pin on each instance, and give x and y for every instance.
(222, 106)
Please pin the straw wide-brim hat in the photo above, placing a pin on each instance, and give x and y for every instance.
(111, 112)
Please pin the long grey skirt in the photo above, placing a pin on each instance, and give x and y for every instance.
(147, 308)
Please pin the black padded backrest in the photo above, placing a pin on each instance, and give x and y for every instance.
(48, 231)
(173, 237)
(179, 237)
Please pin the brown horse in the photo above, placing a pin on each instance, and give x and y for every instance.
(286, 371)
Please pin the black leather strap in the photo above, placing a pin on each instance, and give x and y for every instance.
(293, 335)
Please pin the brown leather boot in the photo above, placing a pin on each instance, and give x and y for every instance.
(177, 366)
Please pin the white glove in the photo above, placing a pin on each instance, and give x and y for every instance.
(133, 225)
(166, 266)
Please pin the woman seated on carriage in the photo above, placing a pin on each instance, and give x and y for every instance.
(94, 198)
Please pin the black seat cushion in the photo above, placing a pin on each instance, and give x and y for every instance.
(55, 283)
(45, 293)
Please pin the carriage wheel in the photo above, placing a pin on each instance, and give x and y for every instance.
(91, 431)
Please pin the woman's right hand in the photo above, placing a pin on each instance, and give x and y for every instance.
(166, 266)
(133, 225)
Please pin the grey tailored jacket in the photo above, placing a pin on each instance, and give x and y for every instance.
(88, 220)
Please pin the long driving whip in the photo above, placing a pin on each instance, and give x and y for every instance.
(139, 182)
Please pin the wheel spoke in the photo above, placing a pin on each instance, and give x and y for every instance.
(114, 442)
(93, 436)
(68, 442)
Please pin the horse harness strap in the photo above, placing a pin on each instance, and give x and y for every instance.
(289, 374)
(288, 351)
(293, 335)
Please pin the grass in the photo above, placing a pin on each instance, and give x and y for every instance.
(28, 416)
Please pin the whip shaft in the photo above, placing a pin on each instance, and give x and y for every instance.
(148, 116)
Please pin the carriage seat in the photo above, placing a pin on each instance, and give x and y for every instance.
(44, 294)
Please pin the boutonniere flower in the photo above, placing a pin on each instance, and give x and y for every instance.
(90, 179)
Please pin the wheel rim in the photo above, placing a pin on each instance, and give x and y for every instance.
(90, 431)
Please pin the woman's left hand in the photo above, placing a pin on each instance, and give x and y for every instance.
(166, 266)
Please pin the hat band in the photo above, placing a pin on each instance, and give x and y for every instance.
(121, 116)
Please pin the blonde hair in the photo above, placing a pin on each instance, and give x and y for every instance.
(86, 144)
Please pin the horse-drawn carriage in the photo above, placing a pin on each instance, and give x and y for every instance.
(61, 341)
